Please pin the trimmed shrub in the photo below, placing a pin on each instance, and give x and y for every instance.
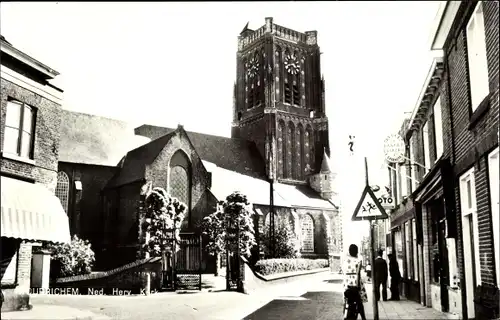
(286, 245)
(72, 259)
(273, 266)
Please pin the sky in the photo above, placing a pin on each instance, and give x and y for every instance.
(175, 63)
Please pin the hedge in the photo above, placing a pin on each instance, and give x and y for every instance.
(272, 266)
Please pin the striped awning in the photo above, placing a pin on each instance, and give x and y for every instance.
(31, 212)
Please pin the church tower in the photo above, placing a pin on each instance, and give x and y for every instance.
(279, 100)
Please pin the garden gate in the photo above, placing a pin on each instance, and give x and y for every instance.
(183, 270)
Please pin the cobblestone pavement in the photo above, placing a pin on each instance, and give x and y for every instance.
(325, 301)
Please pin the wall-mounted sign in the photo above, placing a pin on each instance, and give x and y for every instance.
(394, 149)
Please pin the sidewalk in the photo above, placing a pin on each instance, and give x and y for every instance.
(51, 312)
(403, 309)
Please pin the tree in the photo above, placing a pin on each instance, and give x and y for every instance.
(232, 214)
(72, 259)
(163, 216)
(286, 246)
(213, 228)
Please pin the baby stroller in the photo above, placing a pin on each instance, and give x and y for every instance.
(351, 303)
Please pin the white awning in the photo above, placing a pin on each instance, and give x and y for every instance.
(31, 212)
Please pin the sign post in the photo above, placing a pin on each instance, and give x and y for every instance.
(367, 210)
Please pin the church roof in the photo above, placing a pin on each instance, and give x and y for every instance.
(240, 156)
(325, 164)
(95, 140)
(258, 190)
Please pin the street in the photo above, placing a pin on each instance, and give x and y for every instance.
(319, 299)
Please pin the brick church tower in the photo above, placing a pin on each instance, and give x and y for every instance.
(279, 100)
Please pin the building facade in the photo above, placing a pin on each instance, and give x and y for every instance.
(278, 145)
(468, 35)
(451, 175)
(30, 120)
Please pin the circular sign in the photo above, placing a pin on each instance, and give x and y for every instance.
(394, 148)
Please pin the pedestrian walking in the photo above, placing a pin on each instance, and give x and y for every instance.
(395, 276)
(354, 288)
(368, 270)
(380, 275)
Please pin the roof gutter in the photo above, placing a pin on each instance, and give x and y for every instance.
(443, 22)
(437, 59)
(26, 59)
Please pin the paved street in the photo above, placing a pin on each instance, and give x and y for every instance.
(324, 301)
(321, 299)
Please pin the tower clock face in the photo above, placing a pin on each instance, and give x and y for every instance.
(253, 67)
(292, 64)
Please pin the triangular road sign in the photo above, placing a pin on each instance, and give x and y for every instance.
(368, 207)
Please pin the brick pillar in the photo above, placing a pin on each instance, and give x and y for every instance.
(260, 231)
(328, 235)
(426, 256)
(24, 268)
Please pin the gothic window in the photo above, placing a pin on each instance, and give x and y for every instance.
(281, 73)
(292, 158)
(292, 78)
(256, 79)
(253, 78)
(296, 84)
(180, 178)
(62, 189)
(281, 148)
(267, 223)
(301, 151)
(310, 145)
(307, 233)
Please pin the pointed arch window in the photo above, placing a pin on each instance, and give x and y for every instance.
(253, 77)
(292, 78)
(180, 178)
(292, 157)
(62, 189)
(281, 148)
(309, 138)
(301, 151)
(307, 233)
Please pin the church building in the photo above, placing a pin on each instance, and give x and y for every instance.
(279, 145)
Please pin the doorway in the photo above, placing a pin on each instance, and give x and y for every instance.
(439, 253)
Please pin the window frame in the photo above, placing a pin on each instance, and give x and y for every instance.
(438, 128)
(60, 188)
(414, 250)
(21, 129)
(413, 174)
(477, 57)
(466, 213)
(493, 157)
(426, 147)
(404, 181)
(408, 249)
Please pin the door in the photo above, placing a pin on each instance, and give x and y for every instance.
(444, 280)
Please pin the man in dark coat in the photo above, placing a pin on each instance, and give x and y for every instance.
(380, 276)
(395, 276)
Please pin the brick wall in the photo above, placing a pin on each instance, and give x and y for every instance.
(157, 173)
(125, 280)
(46, 144)
(43, 170)
(89, 207)
(472, 141)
